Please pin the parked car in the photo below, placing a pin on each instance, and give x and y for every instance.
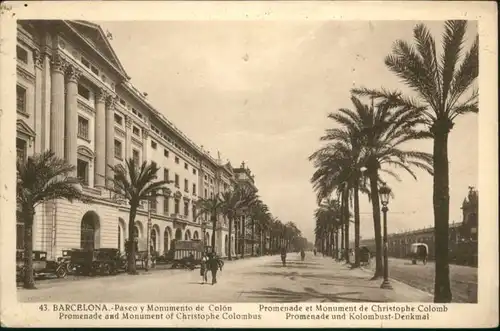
(41, 266)
(102, 261)
(66, 260)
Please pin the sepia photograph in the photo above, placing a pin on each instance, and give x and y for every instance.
(226, 161)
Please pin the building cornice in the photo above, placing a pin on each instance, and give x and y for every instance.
(25, 73)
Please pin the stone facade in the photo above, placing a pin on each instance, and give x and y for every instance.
(75, 98)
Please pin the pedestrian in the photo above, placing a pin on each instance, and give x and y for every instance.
(203, 268)
(213, 265)
(283, 256)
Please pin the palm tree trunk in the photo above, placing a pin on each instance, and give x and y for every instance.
(342, 216)
(243, 237)
(332, 242)
(379, 271)
(214, 225)
(131, 240)
(236, 239)
(29, 279)
(337, 244)
(253, 235)
(347, 225)
(357, 257)
(441, 201)
(230, 241)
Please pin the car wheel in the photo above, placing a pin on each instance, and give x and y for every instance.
(106, 269)
(61, 272)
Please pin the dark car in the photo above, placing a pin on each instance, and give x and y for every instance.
(41, 266)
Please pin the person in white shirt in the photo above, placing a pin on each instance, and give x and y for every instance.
(203, 268)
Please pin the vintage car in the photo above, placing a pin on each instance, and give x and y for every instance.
(66, 260)
(419, 251)
(41, 266)
(102, 261)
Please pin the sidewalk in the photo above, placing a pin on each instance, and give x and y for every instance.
(338, 282)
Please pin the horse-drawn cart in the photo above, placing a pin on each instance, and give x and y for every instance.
(419, 251)
(187, 253)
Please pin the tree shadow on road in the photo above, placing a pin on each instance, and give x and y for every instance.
(292, 265)
(276, 294)
(307, 275)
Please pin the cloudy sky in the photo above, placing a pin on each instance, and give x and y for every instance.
(260, 92)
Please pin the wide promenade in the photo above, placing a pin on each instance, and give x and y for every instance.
(259, 279)
(463, 279)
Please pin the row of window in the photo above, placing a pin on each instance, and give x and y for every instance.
(172, 142)
(166, 176)
(166, 153)
(166, 207)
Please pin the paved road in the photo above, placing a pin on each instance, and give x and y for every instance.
(262, 279)
(463, 279)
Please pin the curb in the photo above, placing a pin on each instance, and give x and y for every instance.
(399, 282)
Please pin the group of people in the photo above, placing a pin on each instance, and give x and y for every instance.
(283, 255)
(210, 262)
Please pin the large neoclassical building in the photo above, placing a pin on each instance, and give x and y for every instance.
(75, 98)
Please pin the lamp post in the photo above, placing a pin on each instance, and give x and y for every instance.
(385, 193)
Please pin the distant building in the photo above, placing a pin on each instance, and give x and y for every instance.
(460, 235)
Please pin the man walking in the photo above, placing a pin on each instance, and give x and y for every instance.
(213, 266)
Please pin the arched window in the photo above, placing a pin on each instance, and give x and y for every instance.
(88, 229)
(136, 232)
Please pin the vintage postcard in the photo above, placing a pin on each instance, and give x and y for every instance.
(249, 164)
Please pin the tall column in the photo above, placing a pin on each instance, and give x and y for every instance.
(128, 137)
(46, 102)
(57, 106)
(145, 135)
(38, 59)
(110, 138)
(71, 117)
(100, 136)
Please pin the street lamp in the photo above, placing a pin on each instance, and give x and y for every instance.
(385, 193)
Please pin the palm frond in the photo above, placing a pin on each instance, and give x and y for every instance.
(453, 39)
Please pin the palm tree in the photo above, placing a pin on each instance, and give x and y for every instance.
(443, 89)
(290, 233)
(213, 207)
(234, 203)
(258, 212)
(40, 178)
(339, 166)
(135, 184)
(276, 234)
(327, 216)
(262, 227)
(381, 131)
